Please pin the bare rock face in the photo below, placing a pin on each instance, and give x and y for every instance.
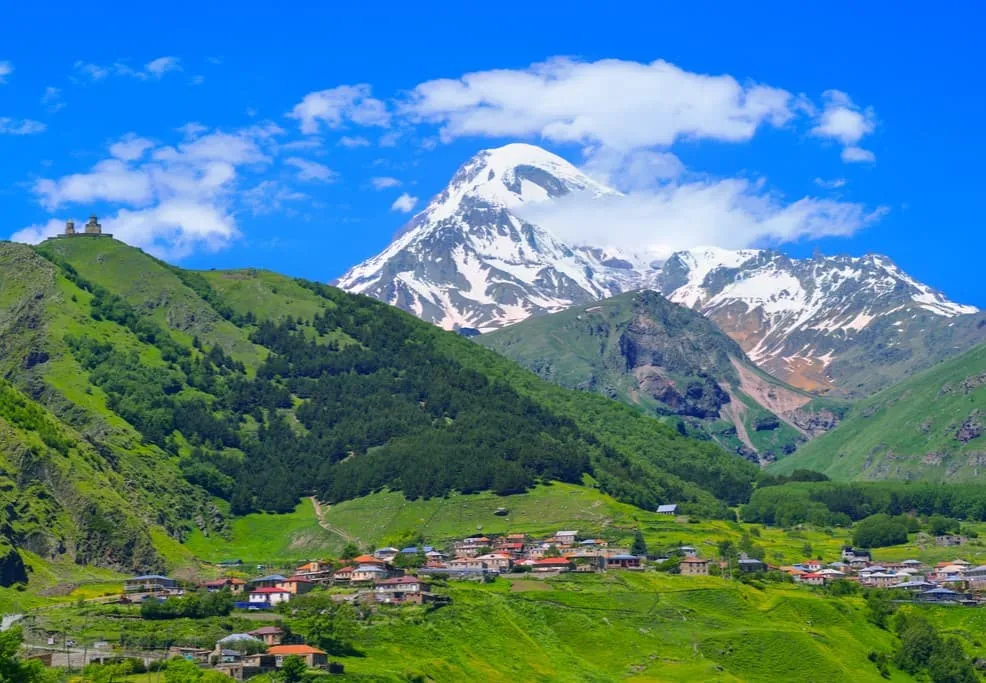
(971, 429)
(814, 423)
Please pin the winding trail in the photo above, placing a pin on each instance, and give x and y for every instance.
(328, 527)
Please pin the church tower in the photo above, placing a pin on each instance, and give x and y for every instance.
(70, 227)
(93, 227)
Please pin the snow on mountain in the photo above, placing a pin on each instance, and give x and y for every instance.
(469, 260)
(795, 317)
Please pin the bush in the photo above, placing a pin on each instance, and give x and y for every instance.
(879, 531)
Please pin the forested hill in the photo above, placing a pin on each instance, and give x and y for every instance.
(180, 387)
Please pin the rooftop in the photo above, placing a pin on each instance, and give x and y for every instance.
(282, 650)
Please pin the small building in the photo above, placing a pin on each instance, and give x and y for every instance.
(270, 581)
(622, 561)
(193, 654)
(812, 579)
(855, 555)
(271, 635)
(466, 563)
(386, 554)
(498, 562)
(229, 656)
(149, 583)
(553, 564)
(670, 509)
(268, 596)
(232, 584)
(312, 655)
(398, 590)
(368, 559)
(940, 595)
(693, 566)
(343, 574)
(296, 585)
(368, 572)
(566, 537)
(949, 540)
(751, 564)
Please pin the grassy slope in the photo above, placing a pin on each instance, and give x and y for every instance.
(643, 627)
(908, 430)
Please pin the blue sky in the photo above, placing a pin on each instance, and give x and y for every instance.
(823, 128)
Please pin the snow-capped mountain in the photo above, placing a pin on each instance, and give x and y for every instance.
(805, 319)
(469, 260)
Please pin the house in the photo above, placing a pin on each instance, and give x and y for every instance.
(751, 564)
(940, 595)
(498, 562)
(247, 667)
(398, 590)
(312, 655)
(950, 572)
(949, 540)
(914, 586)
(271, 635)
(812, 579)
(368, 572)
(850, 554)
(622, 561)
(368, 559)
(271, 581)
(466, 563)
(296, 585)
(229, 656)
(149, 583)
(694, 566)
(268, 596)
(882, 579)
(435, 556)
(670, 509)
(344, 574)
(687, 550)
(233, 585)
(566, 537)
(386, 554)
(553, 564)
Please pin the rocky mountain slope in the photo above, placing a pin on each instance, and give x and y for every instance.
(668, 360)
(931, 426)
(470, 260)
(853, 324)
(139, 401)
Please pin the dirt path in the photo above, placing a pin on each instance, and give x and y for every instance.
(328, 527)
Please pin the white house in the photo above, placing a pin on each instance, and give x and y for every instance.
(269, 595)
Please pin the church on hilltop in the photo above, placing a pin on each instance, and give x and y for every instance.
(92, 229)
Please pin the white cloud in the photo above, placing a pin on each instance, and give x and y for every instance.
(731, 213)
(6, 68)
(845, 122)
(634, 170)
(268, 196)
(311, 170)
(52, 99)
(34, 234)
(353, 141)
(613, 103)
(405, 203)
(93, 72)
(389, 139)
(197, 80)
(336, 106)
(383, 182)
(153, 70)
(833, 184)
(169, 200)
(130, 147)
(9, 126)
(162, 65)
(855, 155)
(192, 129)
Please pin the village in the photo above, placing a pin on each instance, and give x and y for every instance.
(391, 577)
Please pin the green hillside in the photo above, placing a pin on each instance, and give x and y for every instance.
(181, 401)
(928, 427)
(668, 361)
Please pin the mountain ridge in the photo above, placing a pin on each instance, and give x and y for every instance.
(472, 260)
